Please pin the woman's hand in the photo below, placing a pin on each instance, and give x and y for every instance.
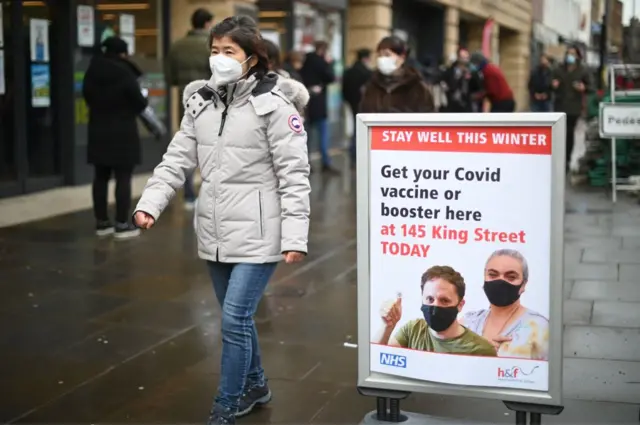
(143, 220)
(292, 256)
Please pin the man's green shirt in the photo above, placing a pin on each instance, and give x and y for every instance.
(416, 335)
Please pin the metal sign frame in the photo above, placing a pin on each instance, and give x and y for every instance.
(369, 379)
(602, 107)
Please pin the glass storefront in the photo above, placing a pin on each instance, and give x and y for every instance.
(296, 26)
(45, 49)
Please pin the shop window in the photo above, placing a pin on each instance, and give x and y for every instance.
(139, 23)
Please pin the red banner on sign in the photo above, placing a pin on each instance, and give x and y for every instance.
(510, 140)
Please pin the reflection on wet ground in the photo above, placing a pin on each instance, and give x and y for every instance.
(99, 331)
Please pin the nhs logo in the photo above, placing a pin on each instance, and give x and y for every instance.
(393, 360)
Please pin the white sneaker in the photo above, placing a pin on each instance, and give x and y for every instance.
(189, 205)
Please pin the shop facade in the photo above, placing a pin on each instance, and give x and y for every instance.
(45, 49)
(295, 26)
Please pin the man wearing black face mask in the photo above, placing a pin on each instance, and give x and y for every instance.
(443, 291)
(515, 330)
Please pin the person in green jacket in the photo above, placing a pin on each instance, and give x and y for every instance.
(187, 61)
(439, 331)
(571, 82)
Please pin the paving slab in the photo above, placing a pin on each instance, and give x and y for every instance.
(600, 255)
(585, 271)
(577, 312)
(630, 273)
(616, 314)
(602, 343)
(601, 380)
(631, 242)
(584, 241)
(605, 291)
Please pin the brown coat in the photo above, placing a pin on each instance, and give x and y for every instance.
(404, 93)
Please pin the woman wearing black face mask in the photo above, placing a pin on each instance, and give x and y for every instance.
(438, 331)
(515, 330)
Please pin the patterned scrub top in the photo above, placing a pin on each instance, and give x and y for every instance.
(530, 334)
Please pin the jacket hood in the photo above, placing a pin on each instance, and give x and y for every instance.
(105, 69)
(294, 91)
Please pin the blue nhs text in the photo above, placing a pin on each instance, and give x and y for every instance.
(393, 360)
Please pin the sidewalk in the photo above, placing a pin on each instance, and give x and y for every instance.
(99, 331)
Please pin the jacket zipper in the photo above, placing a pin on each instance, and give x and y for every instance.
(226, 109)
(218, 150)
(261, 215)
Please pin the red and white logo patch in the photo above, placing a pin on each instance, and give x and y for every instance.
(295, 123)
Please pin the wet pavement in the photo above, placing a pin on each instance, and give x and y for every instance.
(100, 331)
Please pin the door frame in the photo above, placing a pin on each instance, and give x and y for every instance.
(26, 184)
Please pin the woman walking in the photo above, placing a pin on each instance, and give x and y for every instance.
(395, 86)
(253, 211)
(113, 95)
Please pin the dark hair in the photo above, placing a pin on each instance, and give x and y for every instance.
(363, 54)
(395, 44)
(445, 273)
(243, 31)
(114, 46)
(200, 18)
(321, 45)
(273, 54)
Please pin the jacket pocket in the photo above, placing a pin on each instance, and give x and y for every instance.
(261, 213)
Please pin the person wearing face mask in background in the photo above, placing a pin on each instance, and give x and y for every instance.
(515, 330)
(540, 86)
(571, 82)
(247, 138)
(457, 80)
(438, 331)
(317, 73)
(353, 81)
(395, 86)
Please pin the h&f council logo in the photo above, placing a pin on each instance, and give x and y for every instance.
(516, 373)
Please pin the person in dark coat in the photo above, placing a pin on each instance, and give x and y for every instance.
(293, 64)
(457, 79)
(115, 100)
(317, 73)
(395, 86)
(353, 82)
(571, 82)
(540, 90)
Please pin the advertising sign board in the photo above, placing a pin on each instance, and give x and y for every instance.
(619, 120)
(460, 254)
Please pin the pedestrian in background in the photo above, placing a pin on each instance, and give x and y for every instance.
(540, 90)
(395, 85)
(353, 82)
(253, 210)
(495, 86)
(188, 60)
(317, 73)
(571, 81)
(293, 63)
(115, 100)
(457, 81)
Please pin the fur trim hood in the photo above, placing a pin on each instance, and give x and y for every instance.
(295, 91)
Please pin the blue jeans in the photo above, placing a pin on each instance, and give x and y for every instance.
(239, 288)
(189, 190)
(321, 128)
(541, 106)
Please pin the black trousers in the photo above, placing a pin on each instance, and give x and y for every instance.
(123, 192)
(503, 106)
(572, 121)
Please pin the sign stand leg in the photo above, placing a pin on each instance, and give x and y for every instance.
(387, 403)
(533, 411)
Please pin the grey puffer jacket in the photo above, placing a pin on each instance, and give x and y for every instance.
(252, 154)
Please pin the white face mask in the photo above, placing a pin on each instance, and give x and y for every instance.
(387, 65)
(225, 70)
